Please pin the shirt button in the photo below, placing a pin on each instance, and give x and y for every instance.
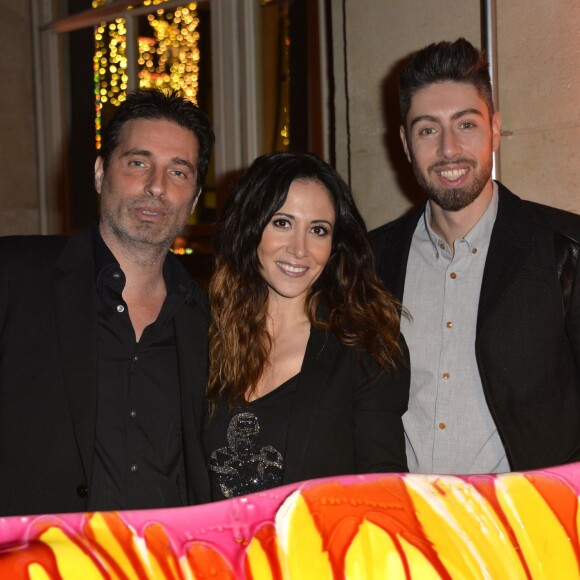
(135, 358)
(116, 275)
(120, 308)
(445, 375)
(442, 245)
(449, 324)
(442, 426)
(133, 468)
(474, 251)
(133, 413)
(453, 275)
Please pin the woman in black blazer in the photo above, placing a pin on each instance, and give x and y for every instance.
(308, 372)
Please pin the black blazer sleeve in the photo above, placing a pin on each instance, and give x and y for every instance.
(379, 402)
(191, 332)
(346, 417)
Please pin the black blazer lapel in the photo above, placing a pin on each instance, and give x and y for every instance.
(191, 334)
(318, 362)
(511, 241)
(391, 245)
(76, 323)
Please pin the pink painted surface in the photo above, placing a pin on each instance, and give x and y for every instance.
(409, 526)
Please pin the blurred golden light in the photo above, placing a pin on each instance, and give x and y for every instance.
(168, 59)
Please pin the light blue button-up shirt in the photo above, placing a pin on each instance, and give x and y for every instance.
(448, 426)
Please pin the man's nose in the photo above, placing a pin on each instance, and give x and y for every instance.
(156, 183)
(449, 145)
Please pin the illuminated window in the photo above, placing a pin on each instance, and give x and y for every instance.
(168, 56)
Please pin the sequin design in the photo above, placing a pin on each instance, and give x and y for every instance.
(244, 466)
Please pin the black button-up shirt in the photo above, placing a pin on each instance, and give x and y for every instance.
(138, 461)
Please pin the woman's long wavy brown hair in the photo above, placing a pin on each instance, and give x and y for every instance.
(357, 309)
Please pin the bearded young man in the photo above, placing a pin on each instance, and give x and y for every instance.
(103, 335)
(490, 283)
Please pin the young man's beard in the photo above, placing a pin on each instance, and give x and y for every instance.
(455, 199)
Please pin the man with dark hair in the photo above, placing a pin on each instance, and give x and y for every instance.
(490, 283)
(103, 335)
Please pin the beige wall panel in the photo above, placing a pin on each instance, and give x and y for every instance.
(378, 35)
(16, 221)
(539, 98)
(376, 194)
(544, 166)
(18, 179)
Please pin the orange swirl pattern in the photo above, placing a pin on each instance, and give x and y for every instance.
(516, 525)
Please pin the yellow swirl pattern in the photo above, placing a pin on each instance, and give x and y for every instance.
(517, 525)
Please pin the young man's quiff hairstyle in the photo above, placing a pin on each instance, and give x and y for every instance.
(457, 61)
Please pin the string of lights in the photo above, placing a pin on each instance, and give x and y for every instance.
(168, 56)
